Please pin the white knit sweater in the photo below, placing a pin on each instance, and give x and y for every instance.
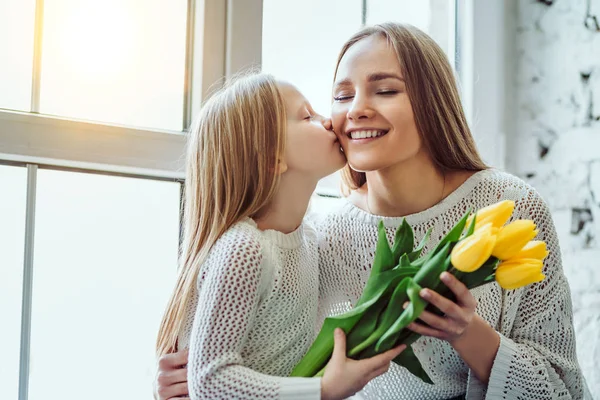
(253, 316)
(536, 358)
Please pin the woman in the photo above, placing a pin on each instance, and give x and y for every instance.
(410, 154)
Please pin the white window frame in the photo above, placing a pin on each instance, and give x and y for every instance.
(486, 35)
(222, 37)
(220, 40)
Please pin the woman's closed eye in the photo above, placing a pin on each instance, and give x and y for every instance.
(343, 97)
(390, 92)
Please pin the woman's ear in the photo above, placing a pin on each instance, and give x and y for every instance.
(281, 167)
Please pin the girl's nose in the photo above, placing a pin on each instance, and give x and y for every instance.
(326, 123)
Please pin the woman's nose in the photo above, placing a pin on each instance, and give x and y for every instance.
(360, 109)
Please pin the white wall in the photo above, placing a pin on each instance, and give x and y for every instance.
(541, 121)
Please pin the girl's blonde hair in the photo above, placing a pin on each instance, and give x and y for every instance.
(434, 97)
(233, 151)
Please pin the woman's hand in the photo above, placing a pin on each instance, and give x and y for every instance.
(475, 341)
(458, 316)
(344, 377)
(171, 377)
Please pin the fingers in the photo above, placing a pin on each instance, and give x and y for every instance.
(427, 331)
(173, 360)
(435, 321)
(445, 305)
(463, 295)
(167, 378)
(395, 352)
(383, 359)
(173, 391)
(339, 345)
(377, 372)
(386, 361)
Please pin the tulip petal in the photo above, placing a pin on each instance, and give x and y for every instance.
(533, 249)
(513, 237)
(497, 214)
(470, 253)
(517, 273)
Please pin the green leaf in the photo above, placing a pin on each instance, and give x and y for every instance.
(366, 325)
(404, 241)
(388, 317)
(384, 258)
(429, 277)
(417, 252)
(404, 261)
(471, 228)
(454, 233)
(410, 314)
(387, 278)
(408, 360)
(320, 351)
(383, 263)
(429, 274)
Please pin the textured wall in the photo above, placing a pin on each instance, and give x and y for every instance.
(555, 143)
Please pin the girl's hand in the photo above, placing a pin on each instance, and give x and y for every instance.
(171, 377)
(344, 376)
(458, 316)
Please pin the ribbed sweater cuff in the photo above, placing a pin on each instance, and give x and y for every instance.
(501, 367)
(300, 389)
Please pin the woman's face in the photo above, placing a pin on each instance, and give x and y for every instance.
(311, 148)
(371, 113)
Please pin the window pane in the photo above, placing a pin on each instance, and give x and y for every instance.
(431, 16)
(116, 61)
(105, 263)
(13, 185)
(301, 42)
(17, 18)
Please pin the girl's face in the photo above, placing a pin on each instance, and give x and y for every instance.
(312, 148)
(371, 112)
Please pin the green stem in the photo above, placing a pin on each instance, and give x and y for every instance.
(320, 373)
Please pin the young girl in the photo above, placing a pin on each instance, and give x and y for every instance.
(398, 115)
(245, 302)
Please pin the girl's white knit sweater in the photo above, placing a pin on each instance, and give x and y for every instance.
(253, 316)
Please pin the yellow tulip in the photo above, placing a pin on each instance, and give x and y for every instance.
(470, 253)
(517, 273)
(534, 249)
(497, 214)
(513, 237)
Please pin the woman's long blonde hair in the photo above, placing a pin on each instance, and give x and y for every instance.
(233, 151)
(434, 97)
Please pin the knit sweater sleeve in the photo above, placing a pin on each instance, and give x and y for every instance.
(536, 358)
(229, 291)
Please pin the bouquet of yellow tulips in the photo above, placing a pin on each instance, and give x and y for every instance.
(480, 249)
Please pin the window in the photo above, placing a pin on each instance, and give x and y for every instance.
(105, 262)
(436, 17)
(301, 41)
(17, 18)
(107, 85)
(13, 185)
(115, 61)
